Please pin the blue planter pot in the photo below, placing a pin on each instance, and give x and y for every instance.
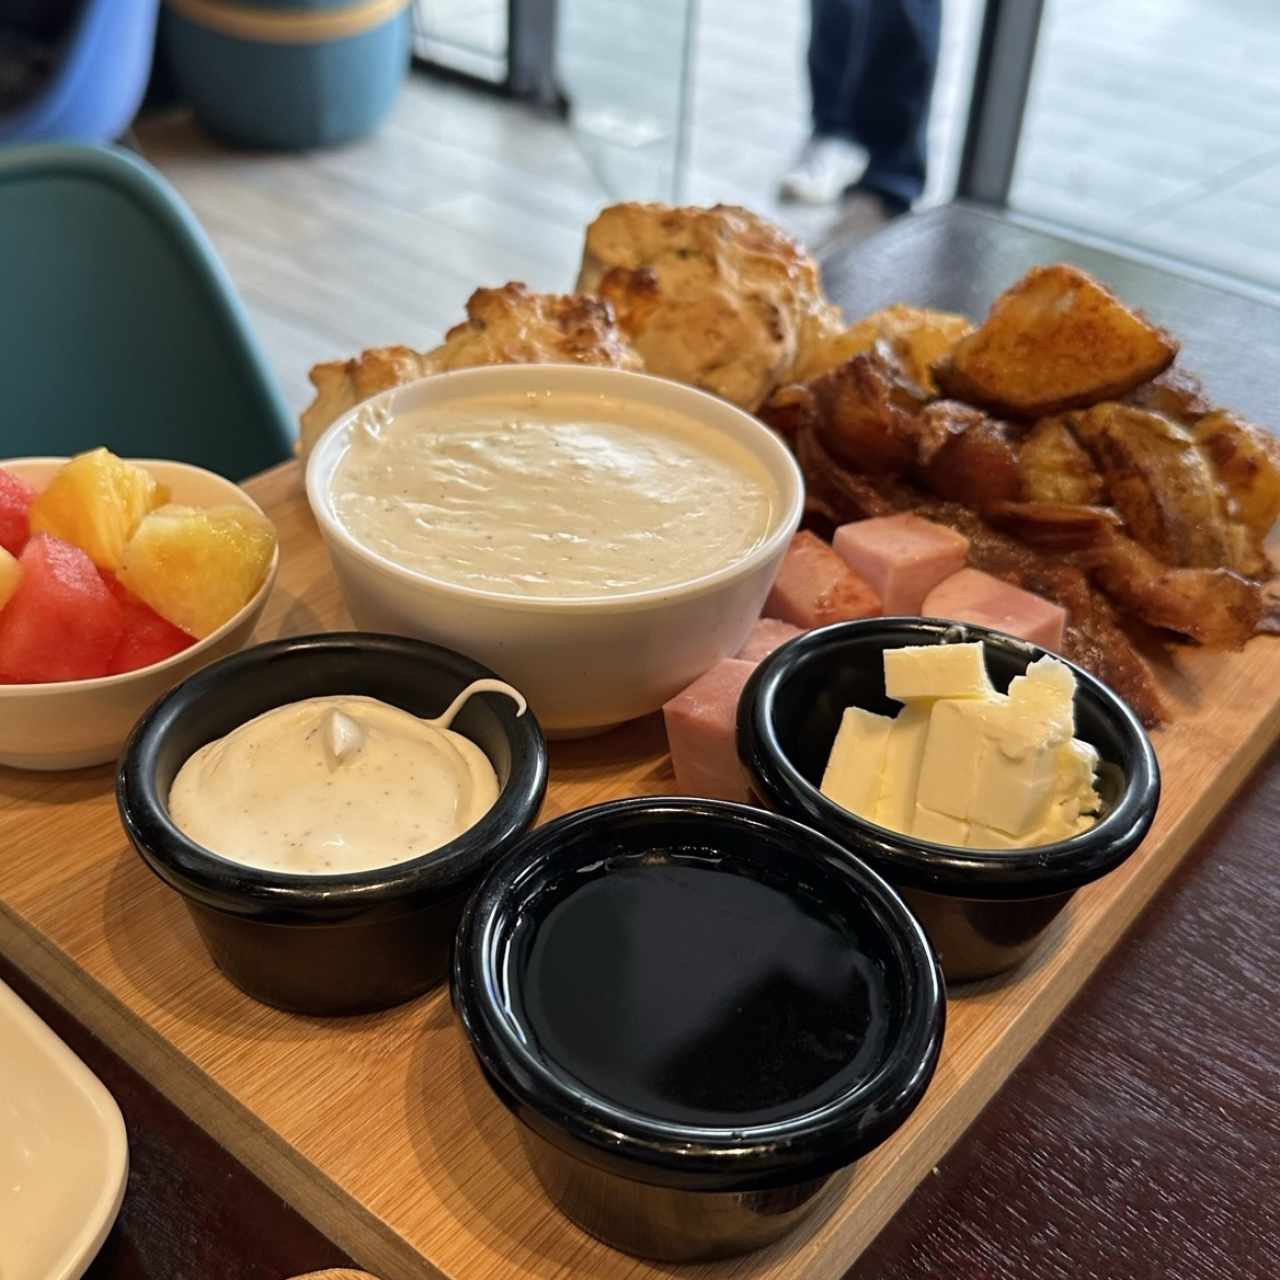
(253, 85)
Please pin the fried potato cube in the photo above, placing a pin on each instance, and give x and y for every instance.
(1176, 393)
(865, 414)
(1160, 483)
(1056, 340)
(916, 338)
(1056, 468)
(1246, 460)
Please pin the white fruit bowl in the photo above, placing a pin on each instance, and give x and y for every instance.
(71, 724)
(584, 664)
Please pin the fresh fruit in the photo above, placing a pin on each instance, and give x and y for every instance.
(96, 501)
(62, 622)
(147, 638)
(10, 576)
(198, 567)
(16, 497)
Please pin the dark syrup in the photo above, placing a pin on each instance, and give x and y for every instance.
(702, 996)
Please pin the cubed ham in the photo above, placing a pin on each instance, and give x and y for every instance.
(765, 637)
(903, 557)
(814, 586)
(972, 596)
(702, 732)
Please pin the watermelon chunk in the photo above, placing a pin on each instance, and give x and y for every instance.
(62, 623)
(16, 497)
(147, 636)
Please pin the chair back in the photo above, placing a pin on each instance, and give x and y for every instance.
(99, 80)
(118, 324)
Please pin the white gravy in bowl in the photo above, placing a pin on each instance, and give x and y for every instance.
(552, 496)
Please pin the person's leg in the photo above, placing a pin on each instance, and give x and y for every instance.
(837, 38)
(888, 103)
(831, 159)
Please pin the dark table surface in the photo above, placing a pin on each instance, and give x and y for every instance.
(1140, 1139)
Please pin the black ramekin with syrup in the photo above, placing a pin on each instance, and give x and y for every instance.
(699, 1013)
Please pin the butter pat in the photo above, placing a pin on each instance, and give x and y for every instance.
(938, 827)
(852, 776)
(936, 671)
(1076, 796)
(896, 800)
(971, 769)
(1044, 702)
(995, 761)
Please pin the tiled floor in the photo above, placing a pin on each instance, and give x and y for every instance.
(1153, 120)
(623, 63)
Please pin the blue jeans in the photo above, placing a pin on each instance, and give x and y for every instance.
(871, 66)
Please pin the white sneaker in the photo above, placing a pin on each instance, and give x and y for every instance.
(825, 167)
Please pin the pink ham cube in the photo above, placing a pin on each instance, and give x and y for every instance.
(971, 596)
(765, 637)
(814, 586)
(903, 557)
(702, 732)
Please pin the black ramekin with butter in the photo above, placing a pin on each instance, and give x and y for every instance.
(984, 910)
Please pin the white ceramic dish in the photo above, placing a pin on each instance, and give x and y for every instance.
(70, 724)
(585, 665)
(64, 1156)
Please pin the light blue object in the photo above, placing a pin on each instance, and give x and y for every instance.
(267, 93)
(118, 324)
(96, 88)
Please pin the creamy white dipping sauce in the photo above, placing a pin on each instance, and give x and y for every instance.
(333, 785)
(552, 496)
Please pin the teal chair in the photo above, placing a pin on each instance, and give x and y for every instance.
(118, 324)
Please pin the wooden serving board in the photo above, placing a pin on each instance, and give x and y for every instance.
(378, 1128)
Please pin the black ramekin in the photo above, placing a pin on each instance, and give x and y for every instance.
(643, 1184)
(334, 944)
(983, 911)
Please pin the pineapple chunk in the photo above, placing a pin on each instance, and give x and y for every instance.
(96, 501)
(197, 567)
(10, 576)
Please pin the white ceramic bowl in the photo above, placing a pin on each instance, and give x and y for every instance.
(64, 1154)
(69, 724)
(587, 664)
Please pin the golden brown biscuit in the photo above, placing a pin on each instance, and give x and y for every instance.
(510, 325)
(718, 297)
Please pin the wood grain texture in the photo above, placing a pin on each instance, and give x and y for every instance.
(190, 1211)
(343, 1273)
(377, 1128)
